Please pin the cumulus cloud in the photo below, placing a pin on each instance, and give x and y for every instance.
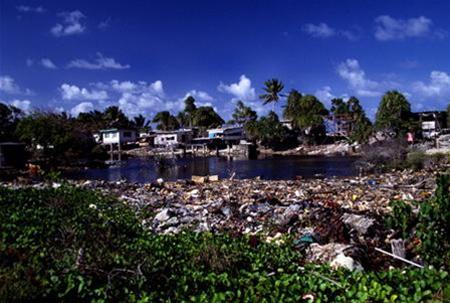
(100, 62)
(71, 24)
(24, 105)
(388, 28)
(9, 86)
(350, 71)
(47, 63)
(198, 95)
(242, 90)
(82, 107)
(73, 92)
(437, 87)
(30, 9)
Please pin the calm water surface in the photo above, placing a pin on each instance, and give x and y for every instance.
(273, 168)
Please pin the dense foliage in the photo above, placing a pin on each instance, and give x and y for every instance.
(243, 114)
(394, 113)
(68, 244)
(9, 117)
(351, 112)
(166, 121)
(269, 132)
(55, 138)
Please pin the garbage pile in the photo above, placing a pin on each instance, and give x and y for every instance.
(336, 220)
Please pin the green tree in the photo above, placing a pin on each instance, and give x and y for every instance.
(306, 114)
(394, 113)
(269, 132)
(9, 117)
(187, 115)
(205, 117)
(166, 121)
(141, 123)
(353, 113)
(92, 121)
(272, 88)
(292, 108)
(60, 140)
(114, 117)
(243, 114)
(448, 116)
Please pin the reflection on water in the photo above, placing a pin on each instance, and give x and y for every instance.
(272, 168)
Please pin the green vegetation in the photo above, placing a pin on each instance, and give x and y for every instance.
(272, 89)
(394, 113)
(430, 224)
(307, 114)
(243, 114)
(269, 132)
(69, 244)
(9, 117)
(55, 139)
(353, 113)
(166, 121)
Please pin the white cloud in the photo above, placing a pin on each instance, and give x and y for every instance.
(9, 86)
(321, 30)
(83, 107)
(30, 9)
(325, 95)
(71, 24)
(437, 87)
(388, 28)
(24, 105)
(100, 62)
(73, 92)
(198, 95)
(242, 90)
(350, 71)
(47, 63)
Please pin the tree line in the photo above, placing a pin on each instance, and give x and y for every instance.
(60, 135)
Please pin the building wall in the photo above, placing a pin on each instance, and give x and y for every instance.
(122, 136)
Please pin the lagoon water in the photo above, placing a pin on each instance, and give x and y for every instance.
(143, 170)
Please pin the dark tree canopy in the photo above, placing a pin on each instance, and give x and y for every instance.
(243, 114)
(186, 116)
(60, 139)
(9, 117)
(205, 117)
(166, 121)
(394, 113)
(269, 132)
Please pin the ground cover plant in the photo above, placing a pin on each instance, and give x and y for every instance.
(72, 245)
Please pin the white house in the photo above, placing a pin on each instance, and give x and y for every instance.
(174, 138)
(117, 136)
(227, 133)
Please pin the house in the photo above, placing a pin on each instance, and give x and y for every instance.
(173, 138)
(286, 123)
(227, 133)
(12, 155)
(117, 136)
(431, 122)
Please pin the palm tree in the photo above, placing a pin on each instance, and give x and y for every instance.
(141, 123)
(273, 88)
(166, 121)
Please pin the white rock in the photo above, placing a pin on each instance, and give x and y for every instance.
(163, 215)
(342, 260)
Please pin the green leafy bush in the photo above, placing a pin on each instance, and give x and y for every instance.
(69, 244)
(434, 225)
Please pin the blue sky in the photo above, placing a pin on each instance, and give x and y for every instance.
(147, 56)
